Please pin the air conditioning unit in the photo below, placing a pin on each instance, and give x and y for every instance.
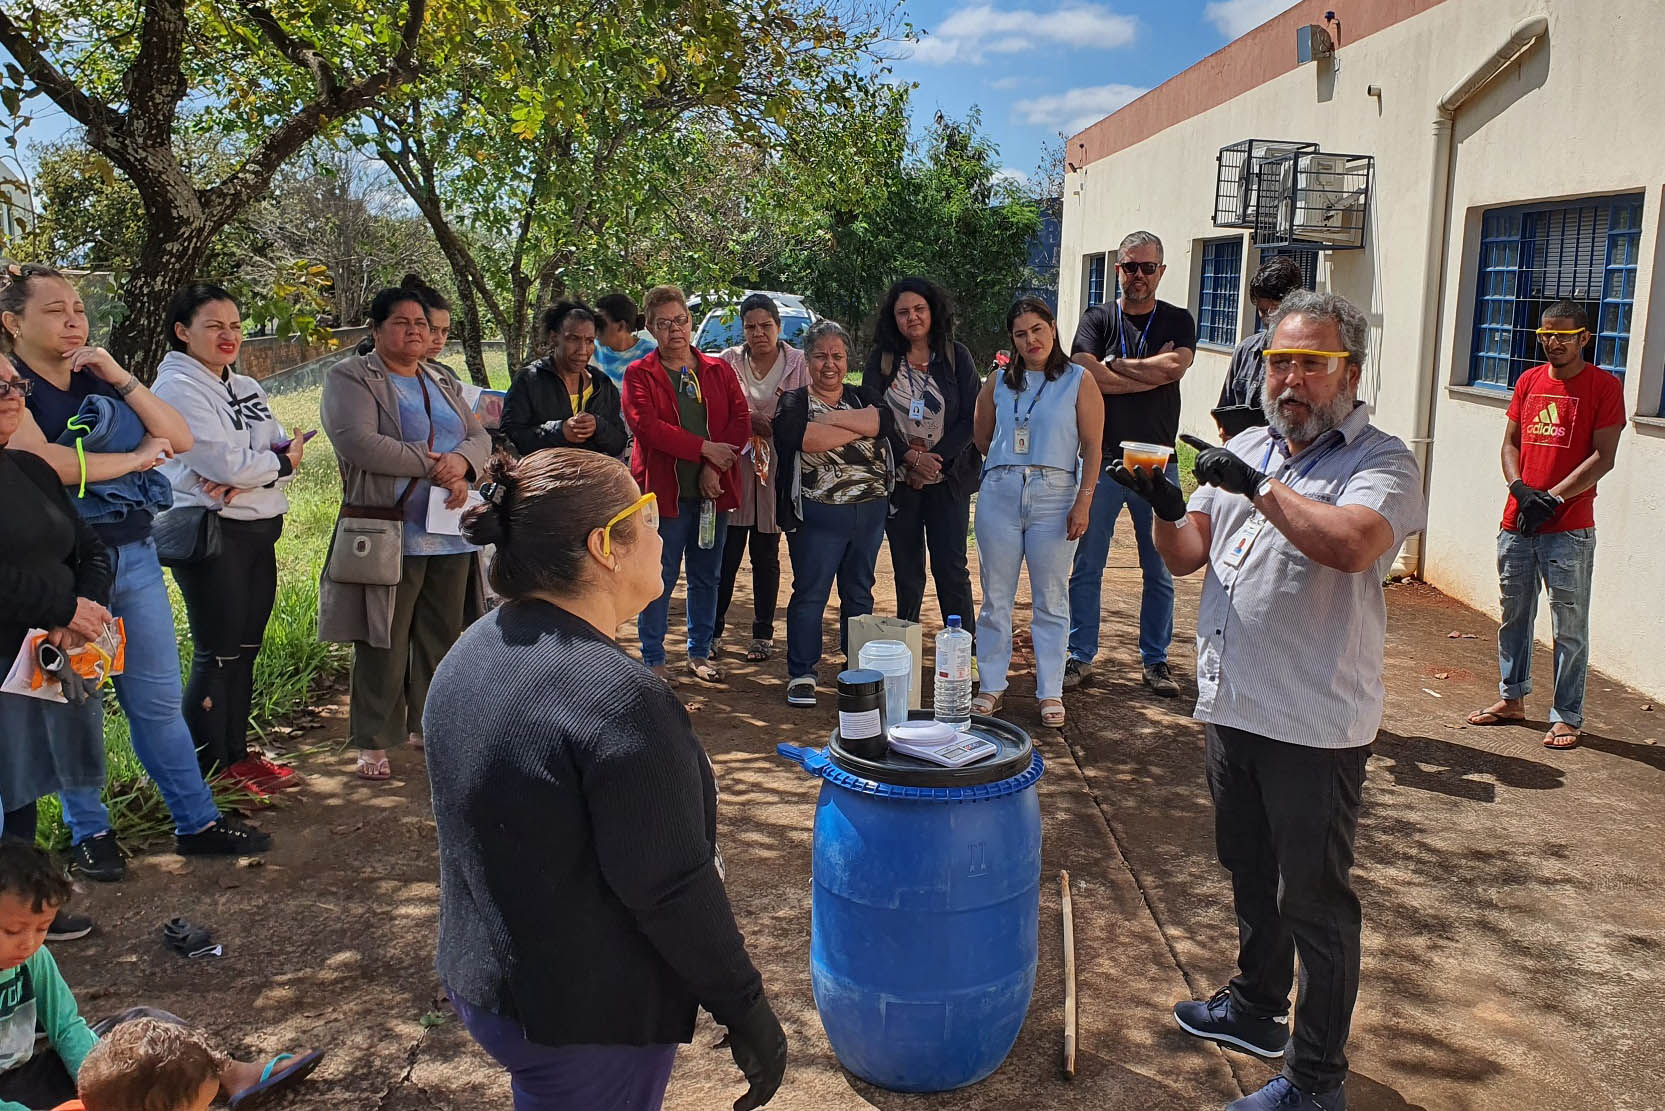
(1237, 175)
(1313, 199)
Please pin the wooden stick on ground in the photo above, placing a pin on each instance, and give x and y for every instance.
(1069, 977)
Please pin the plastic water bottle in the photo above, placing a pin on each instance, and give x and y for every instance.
(708, 523)
(951, 702)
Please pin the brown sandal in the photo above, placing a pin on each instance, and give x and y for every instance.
(986, 704)
(1490, 716)
(1053, 714)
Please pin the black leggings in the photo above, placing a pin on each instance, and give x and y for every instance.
(765, 548)
(228, 600)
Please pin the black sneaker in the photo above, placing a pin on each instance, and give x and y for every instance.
(1159, 677)
(1282, 1095)
(68, 927)
(99, 858)
(226, 837)
(1076, 673)
(1217, 1020)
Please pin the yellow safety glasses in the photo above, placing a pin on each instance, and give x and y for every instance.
(1559, 335)
(647, 504)
(1303, 360)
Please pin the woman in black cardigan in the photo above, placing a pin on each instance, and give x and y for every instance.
(55, 574)
(582, 912)
(930, 384)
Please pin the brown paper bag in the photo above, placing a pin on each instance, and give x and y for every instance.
(873, 627)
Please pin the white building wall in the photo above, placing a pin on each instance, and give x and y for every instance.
(1582, 114)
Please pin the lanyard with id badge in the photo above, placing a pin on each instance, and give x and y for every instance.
(1020, 425)
(1244, 538)
(916, 408)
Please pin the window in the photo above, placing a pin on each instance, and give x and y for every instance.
(1307, 260)
(1095, 280)
(1222, 274)
(1534, 255)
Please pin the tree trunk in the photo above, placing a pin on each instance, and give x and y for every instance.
(469, 331)
(174, 248)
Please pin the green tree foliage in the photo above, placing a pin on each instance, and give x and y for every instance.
(582, 145)
(261, 81)
(943, 211)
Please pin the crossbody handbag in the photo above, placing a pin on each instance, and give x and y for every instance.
(187, 535)
(369, 548)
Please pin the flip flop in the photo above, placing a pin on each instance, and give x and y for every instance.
(1486, 717)
(1555, 740)
(376, 771)
(275, 1081)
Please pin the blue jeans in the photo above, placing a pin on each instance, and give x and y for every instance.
(681, 535)
(571, 1077)
(150, 693)
(1156, 608)
(1022, 515)
(835, 542)
(1563, 562)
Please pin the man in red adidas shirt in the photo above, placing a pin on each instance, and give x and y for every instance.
(1563, 434)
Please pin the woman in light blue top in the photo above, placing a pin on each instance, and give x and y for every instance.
(1040, 424)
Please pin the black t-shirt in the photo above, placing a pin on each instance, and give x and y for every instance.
(53, 409)
(1105, 331)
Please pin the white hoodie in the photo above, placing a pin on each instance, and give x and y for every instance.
(234, 429)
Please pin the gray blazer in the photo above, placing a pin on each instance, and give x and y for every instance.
(360, 415)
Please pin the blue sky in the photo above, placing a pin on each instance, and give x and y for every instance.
(1038, 67)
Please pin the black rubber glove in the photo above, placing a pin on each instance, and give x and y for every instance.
(1533, 507)
(1164, 497)
(759, 1048)
(1218, 466)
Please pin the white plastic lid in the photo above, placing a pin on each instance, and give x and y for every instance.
(924, 733)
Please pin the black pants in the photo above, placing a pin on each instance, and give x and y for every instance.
(765, 548)
(1284, 820)
(20, 824)
(228, 600)
(936, 519)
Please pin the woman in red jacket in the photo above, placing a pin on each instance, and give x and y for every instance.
(690, 420)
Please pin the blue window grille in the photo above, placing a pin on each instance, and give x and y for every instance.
(1534, 255)
(1095, 280)
(1222, 274)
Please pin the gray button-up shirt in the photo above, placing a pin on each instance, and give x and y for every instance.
(1287, 648)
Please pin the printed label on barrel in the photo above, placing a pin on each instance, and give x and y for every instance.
(859, 725)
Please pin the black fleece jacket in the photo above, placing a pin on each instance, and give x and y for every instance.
(537, 395)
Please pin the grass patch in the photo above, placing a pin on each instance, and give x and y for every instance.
(292, 662)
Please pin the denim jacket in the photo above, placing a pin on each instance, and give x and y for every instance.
(108, 425)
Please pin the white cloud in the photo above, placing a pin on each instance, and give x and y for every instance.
(1015, 176)
(971, 34)
(1007, 84)
(1236, 18)
(1070, 112)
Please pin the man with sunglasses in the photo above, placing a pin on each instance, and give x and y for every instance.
(1297, 525)
(1136, 348)
(1561, 437)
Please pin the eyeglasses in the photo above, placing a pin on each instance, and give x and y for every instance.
(1148, 269)
(1547, 336)
(22, 387)
(1285, 361)
(649, 507)
(664, 323)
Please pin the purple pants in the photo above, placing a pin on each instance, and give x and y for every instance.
(571, 1077)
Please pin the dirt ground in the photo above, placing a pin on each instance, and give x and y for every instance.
(1514, 903)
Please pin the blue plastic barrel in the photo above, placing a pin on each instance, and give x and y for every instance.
(923, 922)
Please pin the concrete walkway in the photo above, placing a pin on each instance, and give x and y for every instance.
(1514, 905)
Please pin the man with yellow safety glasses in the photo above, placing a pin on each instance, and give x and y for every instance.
(1562, 436)
(1297, 525)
